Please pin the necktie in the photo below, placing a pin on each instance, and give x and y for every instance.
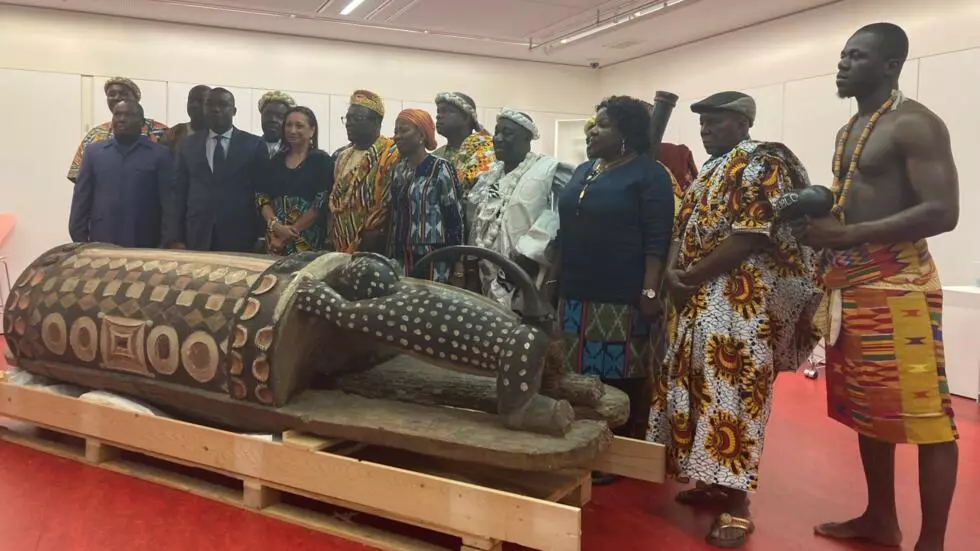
(219, 156)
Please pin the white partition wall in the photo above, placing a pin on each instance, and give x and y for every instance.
(33, 184)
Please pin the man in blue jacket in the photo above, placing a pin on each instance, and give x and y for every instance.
(122, 185)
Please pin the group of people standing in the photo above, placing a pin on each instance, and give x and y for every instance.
(683, 288)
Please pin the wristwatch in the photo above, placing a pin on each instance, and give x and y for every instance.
(649, 293)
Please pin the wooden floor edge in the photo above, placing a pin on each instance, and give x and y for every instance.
(430, 501)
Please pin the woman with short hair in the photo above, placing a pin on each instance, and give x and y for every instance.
(616, 217)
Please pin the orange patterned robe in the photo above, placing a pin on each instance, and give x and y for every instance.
(713, 396)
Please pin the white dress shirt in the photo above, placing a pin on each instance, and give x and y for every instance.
(209, 146)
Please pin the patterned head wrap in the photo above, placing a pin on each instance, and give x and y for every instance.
(423, 121)
(276, 96)
(124, 82)
(462, 102)
(589, 124)
(369, 100)
(521, 119)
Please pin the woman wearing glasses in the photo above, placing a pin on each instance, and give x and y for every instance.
(616, 217)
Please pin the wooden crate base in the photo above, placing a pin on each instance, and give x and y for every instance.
(541, 511)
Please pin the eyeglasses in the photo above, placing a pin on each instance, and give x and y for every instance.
(354, 119)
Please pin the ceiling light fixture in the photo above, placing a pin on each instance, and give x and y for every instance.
(609, 23)
(350, 7)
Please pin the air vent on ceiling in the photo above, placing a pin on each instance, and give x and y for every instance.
(622, 45)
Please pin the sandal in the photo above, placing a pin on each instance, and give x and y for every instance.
(703, 495)
(728, 522)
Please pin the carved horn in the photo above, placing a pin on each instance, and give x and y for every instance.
(663, 106)
(536, 310)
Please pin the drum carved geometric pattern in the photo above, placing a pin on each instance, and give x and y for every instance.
(166, 315)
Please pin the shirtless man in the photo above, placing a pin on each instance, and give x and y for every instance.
(885, 370)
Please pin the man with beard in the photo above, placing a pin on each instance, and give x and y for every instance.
(116, 89)
(122, 185)
(273, 107)
(895, 186)
(213, 200)
(195, 111)
(359, 198)
(512, 208)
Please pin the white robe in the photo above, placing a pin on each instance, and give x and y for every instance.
(513, 214)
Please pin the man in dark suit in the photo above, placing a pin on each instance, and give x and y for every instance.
(212, 207)
(122, 184)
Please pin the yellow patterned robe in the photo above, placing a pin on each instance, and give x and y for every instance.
(359, 198)
(472, 159)
(713, 396)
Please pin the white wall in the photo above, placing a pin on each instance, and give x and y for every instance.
(53, 65)
(788, 65)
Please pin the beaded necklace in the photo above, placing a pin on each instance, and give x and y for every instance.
(597, 169)
(841, 187)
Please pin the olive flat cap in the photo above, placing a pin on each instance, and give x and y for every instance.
(735, 102)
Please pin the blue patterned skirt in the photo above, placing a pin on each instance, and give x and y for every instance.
(611, 341)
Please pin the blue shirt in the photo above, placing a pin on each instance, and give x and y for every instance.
(120, 192)
(626, 214)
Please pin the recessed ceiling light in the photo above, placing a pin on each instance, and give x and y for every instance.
(351, 6)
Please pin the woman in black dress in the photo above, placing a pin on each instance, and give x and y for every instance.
(291, 195)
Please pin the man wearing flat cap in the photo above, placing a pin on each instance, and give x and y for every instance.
(745, 293)
(116, 89)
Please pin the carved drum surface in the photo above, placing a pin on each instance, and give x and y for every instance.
(202, 320)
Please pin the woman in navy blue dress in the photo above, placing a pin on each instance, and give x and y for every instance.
(616, 218)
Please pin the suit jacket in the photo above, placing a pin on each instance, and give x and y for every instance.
(120, 193)
(216, 211)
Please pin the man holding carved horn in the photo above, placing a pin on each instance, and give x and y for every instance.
(745, 292)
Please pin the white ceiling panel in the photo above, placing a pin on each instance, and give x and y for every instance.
(506, 19)
(496, 28)
(307, 7)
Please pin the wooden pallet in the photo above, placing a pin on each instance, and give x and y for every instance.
(481, 506)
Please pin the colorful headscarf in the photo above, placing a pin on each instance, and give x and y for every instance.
(462, 102)
(522, 119)
(124, 82)
(423, 121)
(368, 100)
(276, 96)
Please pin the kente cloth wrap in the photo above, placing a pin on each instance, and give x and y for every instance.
(276, 96)
(886, 371)
(151, 129)
(122, 81)
(368, 100)
(421, 120)
(473, 158)
(521, 119)
(610, 341)
(714, 394)
(359, 198)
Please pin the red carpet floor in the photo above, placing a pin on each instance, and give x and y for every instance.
(811, 473)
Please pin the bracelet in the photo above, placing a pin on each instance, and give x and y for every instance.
(271, 224)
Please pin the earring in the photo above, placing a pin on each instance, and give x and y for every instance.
(622, 149)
